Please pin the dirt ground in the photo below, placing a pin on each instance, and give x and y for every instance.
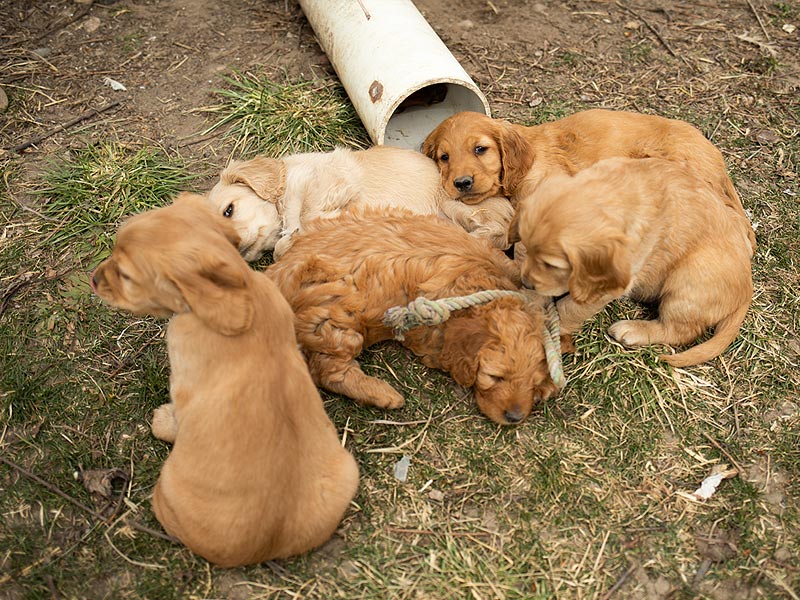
(731, 67)
(170, 56)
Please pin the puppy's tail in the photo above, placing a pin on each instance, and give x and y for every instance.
(725, 332)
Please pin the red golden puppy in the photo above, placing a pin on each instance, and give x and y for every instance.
(480, 157)
(256, 471)
(648, 230)
(340, 275)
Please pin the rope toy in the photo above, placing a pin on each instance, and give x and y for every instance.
(423, 311)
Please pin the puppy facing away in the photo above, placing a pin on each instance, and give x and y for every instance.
(340, 276)
(268, 199)
(256, 471)
(648, 230)
(479, 156)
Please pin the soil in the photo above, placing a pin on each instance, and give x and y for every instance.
(171, 55)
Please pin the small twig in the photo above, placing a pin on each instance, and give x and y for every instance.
(87, 115)
(725, 452)
(53, 589)
(58, 492)
(758, 18)
(650, 27)
(12, 290)
(364, 8)
(82, 12)
(619, 582)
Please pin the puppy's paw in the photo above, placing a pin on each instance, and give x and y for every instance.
(390, 400)
(630, 333)
(164, 426)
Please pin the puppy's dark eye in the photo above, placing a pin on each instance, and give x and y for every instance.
(228, 212)
(444, 157)
(480, 150)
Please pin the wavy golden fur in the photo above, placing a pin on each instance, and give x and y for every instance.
(342, 274)
(256, 471)
(648, 230)
(480, 157)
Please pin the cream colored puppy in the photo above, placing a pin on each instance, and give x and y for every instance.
(269, 199)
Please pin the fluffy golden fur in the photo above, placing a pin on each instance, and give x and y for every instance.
(342, 274)
(268, 199)
(648, 230)
(480, 157)
(256, 471)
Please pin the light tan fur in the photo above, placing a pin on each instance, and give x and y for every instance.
(256, 471)
(340, 276)
(648, 230)
(269, 199)
(490, 157)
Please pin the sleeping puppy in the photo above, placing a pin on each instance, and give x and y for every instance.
(340, 276)
(256, 471)
(480, 157)
(648, 230)
(268, 199)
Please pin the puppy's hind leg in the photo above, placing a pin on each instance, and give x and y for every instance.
(345, 377)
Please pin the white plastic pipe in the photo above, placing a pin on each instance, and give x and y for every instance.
(383, 52)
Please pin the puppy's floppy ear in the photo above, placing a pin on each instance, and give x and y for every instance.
(265, 176)
(516, 154)
(217, 293)
(599, 269)
(430, 144)
(463, 339)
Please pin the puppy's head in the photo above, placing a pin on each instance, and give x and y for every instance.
(478, 156)
(177, 259)
(250, 194)
(571, 247)
(498, 350)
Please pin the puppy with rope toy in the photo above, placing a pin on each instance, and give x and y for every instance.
(341, 276)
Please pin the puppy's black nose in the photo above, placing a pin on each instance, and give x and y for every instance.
(463, 184)
(513, 416)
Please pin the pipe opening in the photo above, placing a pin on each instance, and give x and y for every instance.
(418, 113)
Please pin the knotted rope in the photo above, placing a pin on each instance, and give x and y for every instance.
(423, 311)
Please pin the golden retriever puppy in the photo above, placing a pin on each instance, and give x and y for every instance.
(646, 229)
(341, 275)
(268, 199)
(256, 471)
(481, 157)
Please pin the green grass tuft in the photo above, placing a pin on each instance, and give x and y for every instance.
(265, 117)
(89, 192)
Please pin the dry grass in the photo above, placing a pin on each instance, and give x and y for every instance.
(587, 499)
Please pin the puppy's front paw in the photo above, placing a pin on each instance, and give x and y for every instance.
(389, 399)
(630, 333)
(164, 426)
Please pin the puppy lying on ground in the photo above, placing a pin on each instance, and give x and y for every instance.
(269, 199)
(648, 230)
(340, 276)
(481, 157)
(256, 471)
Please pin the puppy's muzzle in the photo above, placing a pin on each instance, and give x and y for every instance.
(463, 184)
